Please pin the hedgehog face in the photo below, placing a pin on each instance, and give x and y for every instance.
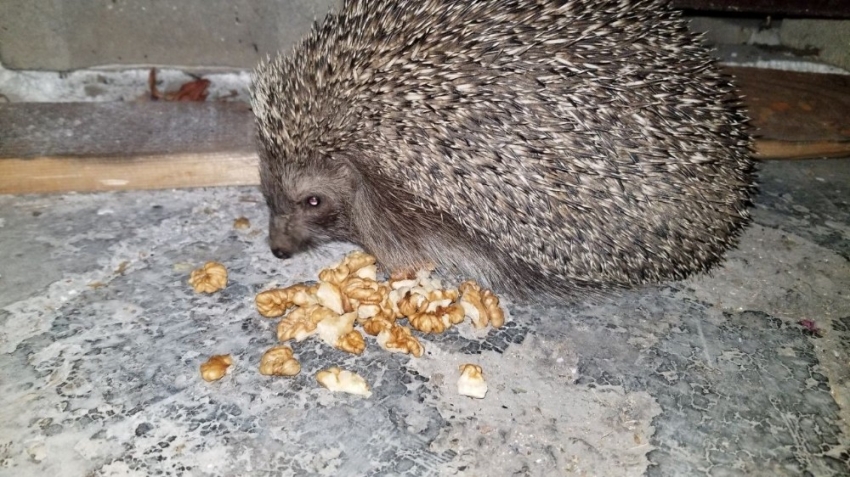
(307, 207)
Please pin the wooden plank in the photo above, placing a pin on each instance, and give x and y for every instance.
(182, 170)
(799, 8)
(145, 145)
(796, 115)
(771, 149)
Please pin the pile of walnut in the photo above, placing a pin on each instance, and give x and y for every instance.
(349, 294)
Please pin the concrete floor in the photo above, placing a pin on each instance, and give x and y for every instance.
(101, 338)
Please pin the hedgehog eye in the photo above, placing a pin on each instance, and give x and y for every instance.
(312, 201)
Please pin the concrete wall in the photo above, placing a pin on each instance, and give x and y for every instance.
(826, 40)
(61, 35)
(64, 35)
(831, 39)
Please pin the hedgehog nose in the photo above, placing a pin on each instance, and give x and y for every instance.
(281, 253)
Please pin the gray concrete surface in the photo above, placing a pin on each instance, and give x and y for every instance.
(101, 338)
(730, 30)
(830, 38)
(826, 41)
(203, 35)
(58, 35)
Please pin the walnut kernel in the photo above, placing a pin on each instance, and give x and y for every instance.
(338, 380)
(472, 305)
(469, 285)
(375, 325)
(279, 361)
(210, 278)
(301, 323)
(449, 294)
(330, 296)
(274, 303)
(364, 312)
(398, 339)
(334, 326)
(369, 272)
(453, 313)
(412, 303)
(352, 342)
(357, 260)
(216, 367)
(428, 323)
(494, 311)
(334, 275)
(481, 305)
(471, 382)
(407, 283)
(364, 291)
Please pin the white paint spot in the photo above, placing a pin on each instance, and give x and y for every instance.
(114, 182)
(37, 451)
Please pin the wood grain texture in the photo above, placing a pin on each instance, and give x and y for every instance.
(771, 149)
(796, 115)
(87, 174)
(57, 147)
(796, 107)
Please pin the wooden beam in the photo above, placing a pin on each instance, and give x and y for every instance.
(796, 115)
(164, 171)
(771, 149)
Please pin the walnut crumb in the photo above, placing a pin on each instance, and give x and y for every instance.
(242, 223)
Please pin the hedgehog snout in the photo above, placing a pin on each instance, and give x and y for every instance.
(282, 244)
(280, 248)
(281, 253)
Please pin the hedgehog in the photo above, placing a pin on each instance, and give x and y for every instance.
(542, 148)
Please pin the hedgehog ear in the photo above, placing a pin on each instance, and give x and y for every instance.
(349, 163)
